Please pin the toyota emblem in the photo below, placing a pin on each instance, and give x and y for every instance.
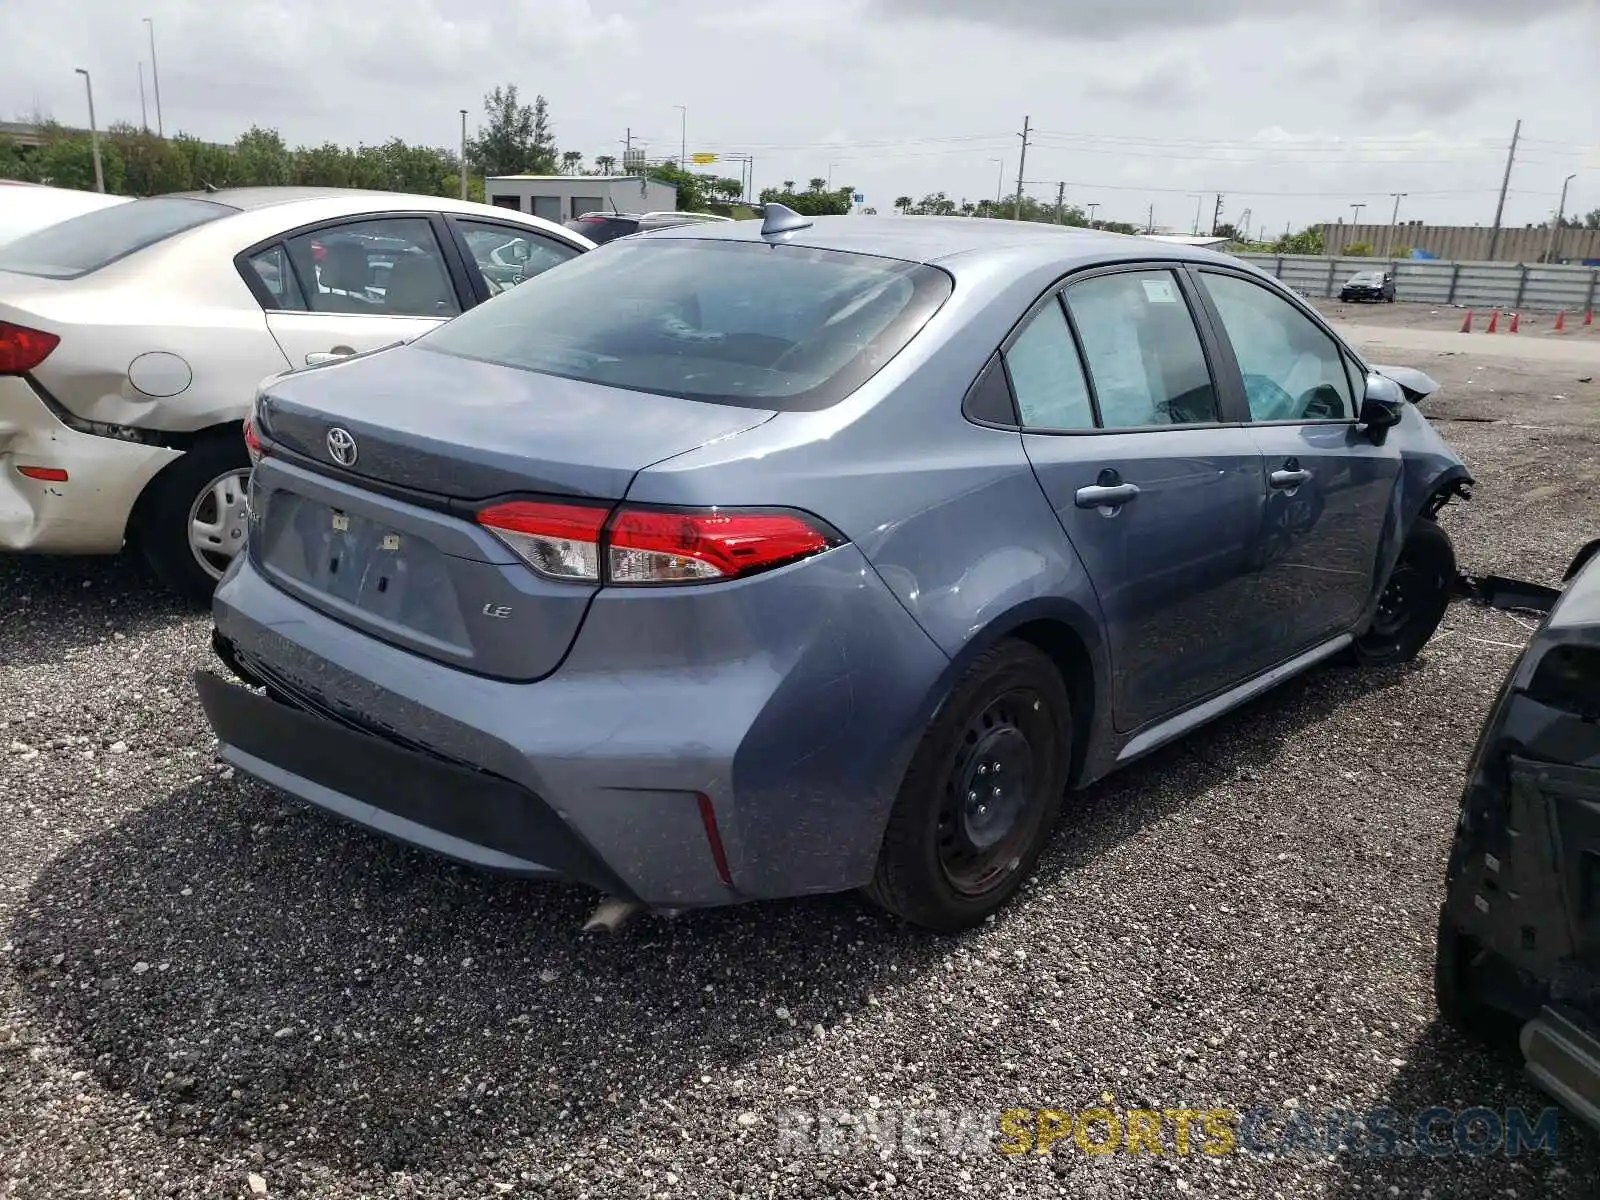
(341, 447)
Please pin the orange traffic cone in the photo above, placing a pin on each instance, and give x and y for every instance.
(1466, 324)
(1513, 322)
(1561, 321)
(1494, 322)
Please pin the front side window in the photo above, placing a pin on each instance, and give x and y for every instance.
(506, 257)
(96, 239)
(1046, 376)
(1142, 350)
(1292, 370)
(388, 266)
(769, 326)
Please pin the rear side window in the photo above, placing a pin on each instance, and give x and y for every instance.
(96, 239)
(747, 323)
(1143, 350)
(1046, 375)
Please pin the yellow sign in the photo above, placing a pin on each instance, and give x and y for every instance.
(702, 158)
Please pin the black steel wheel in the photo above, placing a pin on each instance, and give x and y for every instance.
(981, 795)
(1413, 600)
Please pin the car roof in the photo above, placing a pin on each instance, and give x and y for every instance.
(935, 239)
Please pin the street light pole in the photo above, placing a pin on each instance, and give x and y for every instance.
(1000, 178)
(1091, 207)
(1555, 230)
(463, 154)
(683, 136)
(94, 133)
(155, 76)
(1197, 198)
(1394, 219)
(144, 117)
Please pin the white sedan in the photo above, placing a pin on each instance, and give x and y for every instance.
(133, 339)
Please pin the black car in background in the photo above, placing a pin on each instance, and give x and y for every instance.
(1519, 931)
(605, 227)
(1369, 285)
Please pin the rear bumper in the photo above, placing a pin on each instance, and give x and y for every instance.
(460, 813)
(791, 701)
(88, 512)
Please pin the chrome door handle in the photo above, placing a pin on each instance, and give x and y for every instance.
(1289, 479)
(1100, 495)
(322, 356)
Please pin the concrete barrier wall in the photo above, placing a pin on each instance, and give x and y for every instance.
(1527, 286)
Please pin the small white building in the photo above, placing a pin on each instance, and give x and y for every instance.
(562, 197)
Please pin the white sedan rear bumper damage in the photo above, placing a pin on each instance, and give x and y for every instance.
(63, 491)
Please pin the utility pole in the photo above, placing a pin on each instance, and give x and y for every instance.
(1197, 199)
(1061, 202)
(155, 75)
(463, 154)
(94, 133)
(683, 136)
(1216, 216)
(1394, 219)
(1555, 230)
(1355, 215)
(1091, 207)
(999, 180)
(1150, 220)
(1500, 208)
(144, 119)
(1022, 162)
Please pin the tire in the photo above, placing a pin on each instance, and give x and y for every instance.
(951, 856)
(167, 511)
(1452, 995)
(1413, 600)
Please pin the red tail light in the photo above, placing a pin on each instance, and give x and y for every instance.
(252, 440)
(22, 349)
(563, 540)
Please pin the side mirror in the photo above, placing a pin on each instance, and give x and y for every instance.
(1383, 405)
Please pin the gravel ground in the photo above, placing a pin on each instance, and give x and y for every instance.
(208, 991)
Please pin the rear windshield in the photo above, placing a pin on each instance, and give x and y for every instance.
(747, 323)
(93, 240)
(603, 229)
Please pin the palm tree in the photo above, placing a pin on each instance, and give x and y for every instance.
(903, 204)
(818, 183)
(605, 164)
(572, 162)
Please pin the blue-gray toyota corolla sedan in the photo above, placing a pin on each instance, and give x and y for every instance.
(773, 558)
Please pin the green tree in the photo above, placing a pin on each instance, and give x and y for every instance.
(1307, 241)
(1591, 219)
(903, 203)
(67, 160)
(814, 202)
(263, 159)
(14, 164)
(152, 165)
(1358, 250)
(571, 162)
(516, 139)
(697, 193)
(605, 164)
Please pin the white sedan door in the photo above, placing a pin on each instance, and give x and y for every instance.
(357, 284)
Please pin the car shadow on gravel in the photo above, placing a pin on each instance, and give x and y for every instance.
(50, 605)
(260, 974)
(1447, 1071)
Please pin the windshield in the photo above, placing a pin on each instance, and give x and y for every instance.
(1366, 277)
(93, 240)
(768, 326)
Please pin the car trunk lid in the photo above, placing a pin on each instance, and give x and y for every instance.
(386, 541)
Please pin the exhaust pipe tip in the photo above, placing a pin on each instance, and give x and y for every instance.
(612, 914)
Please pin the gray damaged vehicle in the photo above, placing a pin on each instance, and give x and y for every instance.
(768, 558)
(1519, 932)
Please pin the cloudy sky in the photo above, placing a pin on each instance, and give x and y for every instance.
(1294, 110)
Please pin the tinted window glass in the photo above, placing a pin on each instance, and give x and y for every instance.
(1047, 376)
(1292, 370)
(771, 326)
(506, 257)
(93, 240)
(1143, 352)
(272, 268)
(390, 267)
